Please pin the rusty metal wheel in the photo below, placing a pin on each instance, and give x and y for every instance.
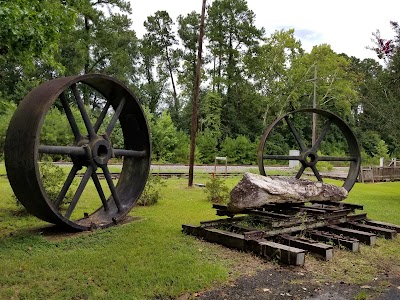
(331, 129)
(90, 151)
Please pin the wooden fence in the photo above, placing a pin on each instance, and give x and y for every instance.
(377, 174)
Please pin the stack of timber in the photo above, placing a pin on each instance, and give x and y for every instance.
(287, 231)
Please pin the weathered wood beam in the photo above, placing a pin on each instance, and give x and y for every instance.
(387, 233)
(349, 243)
(286, 254)
(364, 237)
(383, 224)
(323, 251)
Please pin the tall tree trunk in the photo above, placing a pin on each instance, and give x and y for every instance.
(87, 31)
(196, 96)
(87, 63)
(176, 101)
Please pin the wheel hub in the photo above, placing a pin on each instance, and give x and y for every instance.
(101, 151)
(309, 158)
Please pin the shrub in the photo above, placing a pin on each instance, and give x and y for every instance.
(53, 178)
(207, 145)
(152, 191)
(217, 190)
(240, 150)
(182, 150)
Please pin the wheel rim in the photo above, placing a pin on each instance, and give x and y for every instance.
(91, 151)
(308, 156)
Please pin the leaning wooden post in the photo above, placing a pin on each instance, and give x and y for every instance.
(196, 95)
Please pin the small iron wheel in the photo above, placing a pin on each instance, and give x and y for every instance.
(310, 154)
(89, 150)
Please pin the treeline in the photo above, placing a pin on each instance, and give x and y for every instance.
(248, 77)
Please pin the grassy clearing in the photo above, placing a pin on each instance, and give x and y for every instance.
(141, 260)
(151, 258)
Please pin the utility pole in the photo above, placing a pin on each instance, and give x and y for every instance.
(314, 132)
(314, 116)
(196, 95)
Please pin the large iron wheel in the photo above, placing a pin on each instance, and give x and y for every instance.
(89, 150)
(310, 156)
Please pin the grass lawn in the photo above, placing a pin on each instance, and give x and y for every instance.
(150, 258)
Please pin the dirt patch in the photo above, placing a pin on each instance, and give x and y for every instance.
(54, 233)
(293, 283)
(372, 273)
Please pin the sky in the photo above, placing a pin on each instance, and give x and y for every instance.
(345, 25)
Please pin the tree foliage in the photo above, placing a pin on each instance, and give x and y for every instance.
(248, 78)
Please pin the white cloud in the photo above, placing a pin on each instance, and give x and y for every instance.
(346, 25)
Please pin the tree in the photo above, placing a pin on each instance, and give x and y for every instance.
(152, 84)
(188, 31)
(161, 36)
(231, 33)
(164, 137)
(380, 90)
(101, 43)
(336, 89)
(207, 145)
(30, 34)
(269, 69)
(212, 113)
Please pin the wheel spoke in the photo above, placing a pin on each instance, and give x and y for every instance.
(99, 189)
(316, 173)
(84, 114)
(301, 171)
(282, 157)
(295, 134)
(324, 131)
(62, 150)
(337, 158)
(66, 186)
(129, 153)
(70, 116)
(110, 183)
(101, 117)
(115, 117)
(79, 191)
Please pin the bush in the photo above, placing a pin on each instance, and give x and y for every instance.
(207, 144)
(217, 191)
(182, 150)
(53, 178)
(152, 191)
(240, 150)
(6, 112)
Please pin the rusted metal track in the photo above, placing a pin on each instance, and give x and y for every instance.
(287, 231)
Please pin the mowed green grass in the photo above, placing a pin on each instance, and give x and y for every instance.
(146, 259)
